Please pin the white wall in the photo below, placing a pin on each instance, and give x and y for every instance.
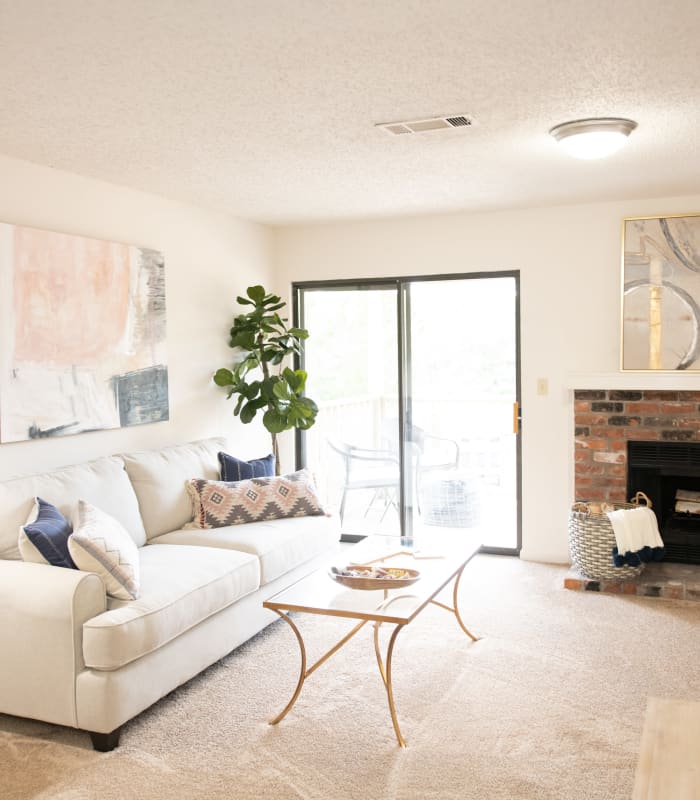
(569, 259)
(209, 259)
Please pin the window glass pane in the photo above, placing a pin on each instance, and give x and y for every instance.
(461, 394)
(351, 359)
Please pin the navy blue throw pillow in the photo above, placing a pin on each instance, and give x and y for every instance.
(49, 534)
(233, 469)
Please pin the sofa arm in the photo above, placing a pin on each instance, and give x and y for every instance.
(42, 611)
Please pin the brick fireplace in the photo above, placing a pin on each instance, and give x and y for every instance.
(642, 440)
(606, 419)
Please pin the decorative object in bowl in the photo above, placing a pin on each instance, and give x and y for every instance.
(367, 576)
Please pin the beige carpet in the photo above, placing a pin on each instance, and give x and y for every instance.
(549, 704)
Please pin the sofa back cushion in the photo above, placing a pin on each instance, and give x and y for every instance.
(159, 476)
(103, 483)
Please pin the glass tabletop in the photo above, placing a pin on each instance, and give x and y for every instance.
(437, 558)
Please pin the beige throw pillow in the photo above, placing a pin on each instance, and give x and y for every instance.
(100, 544)
(219, 503)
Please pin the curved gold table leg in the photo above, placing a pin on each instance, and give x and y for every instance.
(302, 671)
(386, 676)
(456, 608)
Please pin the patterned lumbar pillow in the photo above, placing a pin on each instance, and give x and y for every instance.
(100, 544)
(44, 537)
(220, 503)
(233, 469)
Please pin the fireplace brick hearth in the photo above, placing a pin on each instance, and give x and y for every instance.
(666, 581)
(604, 421)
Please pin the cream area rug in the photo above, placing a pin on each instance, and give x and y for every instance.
(548, 704)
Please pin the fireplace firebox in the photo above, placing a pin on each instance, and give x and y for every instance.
(664, 471)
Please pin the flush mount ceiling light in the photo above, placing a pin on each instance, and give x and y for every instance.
(593, 138)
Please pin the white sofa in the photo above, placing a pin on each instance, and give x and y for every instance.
(72, 655)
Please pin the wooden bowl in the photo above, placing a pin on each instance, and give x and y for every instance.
(405, 577)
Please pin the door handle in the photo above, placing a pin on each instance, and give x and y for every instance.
(517, 419)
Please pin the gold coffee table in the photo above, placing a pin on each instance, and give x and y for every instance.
(440, 559)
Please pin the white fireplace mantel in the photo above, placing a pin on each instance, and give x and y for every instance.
(631, 381)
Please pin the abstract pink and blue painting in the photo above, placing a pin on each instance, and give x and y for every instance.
(82, 334)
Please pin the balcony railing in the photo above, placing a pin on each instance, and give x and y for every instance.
(481, 429)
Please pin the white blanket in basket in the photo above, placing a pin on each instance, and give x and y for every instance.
(635, 529)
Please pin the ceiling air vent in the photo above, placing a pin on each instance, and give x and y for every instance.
(426, 125)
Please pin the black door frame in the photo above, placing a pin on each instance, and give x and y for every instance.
(401, 285)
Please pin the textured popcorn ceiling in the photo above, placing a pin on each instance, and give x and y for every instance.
(266, 108)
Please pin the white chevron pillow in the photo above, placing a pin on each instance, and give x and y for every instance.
(100, 544)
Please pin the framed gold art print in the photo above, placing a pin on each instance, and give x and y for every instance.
(661, 293)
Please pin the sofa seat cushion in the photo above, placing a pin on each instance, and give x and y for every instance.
(281, 545)
(180, 587)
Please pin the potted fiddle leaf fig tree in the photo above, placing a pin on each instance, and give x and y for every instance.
(259, 380)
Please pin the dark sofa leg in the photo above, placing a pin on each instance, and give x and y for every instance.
(104, 742)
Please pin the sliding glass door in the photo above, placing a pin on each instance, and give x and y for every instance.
(351, 357)
(417, 382)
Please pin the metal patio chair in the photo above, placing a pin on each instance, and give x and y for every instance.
(365, 468)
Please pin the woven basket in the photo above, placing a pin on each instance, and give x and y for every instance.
(591, 542)
(451, 502)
